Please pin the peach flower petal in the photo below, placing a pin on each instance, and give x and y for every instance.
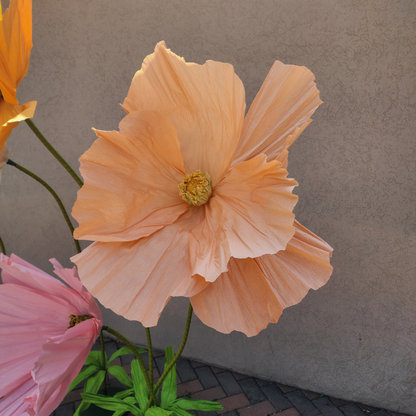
(239, 300)
(285, 102)
(15, 46)
(205, 104)
(131, 181)
(137, 279)
(254, 292)
(12, 115)
(257, 204)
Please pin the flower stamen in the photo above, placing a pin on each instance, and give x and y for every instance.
(77, 319)
(196, 188)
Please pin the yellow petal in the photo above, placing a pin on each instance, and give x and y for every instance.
(15, 46)
(131, 181)
(205, 104)
(285, 102)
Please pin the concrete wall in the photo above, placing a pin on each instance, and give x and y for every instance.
(356, 337)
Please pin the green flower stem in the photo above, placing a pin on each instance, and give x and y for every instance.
(178, 354)
(60, 159)
(139, 359)
(57, 199)
(150, 352)
(3, 250)
(103, 360)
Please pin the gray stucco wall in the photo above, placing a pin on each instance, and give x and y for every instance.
(356, 337)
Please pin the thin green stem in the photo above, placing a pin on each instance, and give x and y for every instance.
(3, 249)
(139, 359)
(178, 354)
(54, 194)
(60, 159)
(150, 352)
(103, 360)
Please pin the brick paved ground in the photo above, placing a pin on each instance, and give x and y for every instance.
(239, 395)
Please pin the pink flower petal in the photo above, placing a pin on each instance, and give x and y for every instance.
(14, 403)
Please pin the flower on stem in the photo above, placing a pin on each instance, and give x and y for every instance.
(191, 198)
(42, 346)
(15, 46)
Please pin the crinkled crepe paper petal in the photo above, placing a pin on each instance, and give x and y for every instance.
(4, 157)
(15, 46)
(257, 203)
(13, 403)
(11, 116)
(254, 292)
(60, 362)
(205, 104)
(285, 102)
(137, 279)
(131, 181)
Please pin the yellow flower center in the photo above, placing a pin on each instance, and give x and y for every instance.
(77, 319)
(196, 188)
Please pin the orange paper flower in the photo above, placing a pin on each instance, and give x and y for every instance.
(192, 199)
(15, 46)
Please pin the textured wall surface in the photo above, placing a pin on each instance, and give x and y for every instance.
(356, 337)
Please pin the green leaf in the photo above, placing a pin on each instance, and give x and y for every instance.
(141, 392)
(120, 374)
(110, 403)
(89, 371)
(204, 405)
(157, 411)
(169, 390)
(94, 358)
(129, 400)
(124, 393)
(180, 412)
(92, 385)
(125, 351)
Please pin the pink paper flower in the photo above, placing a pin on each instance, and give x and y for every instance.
(47, 330)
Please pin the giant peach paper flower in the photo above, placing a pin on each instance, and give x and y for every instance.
(15, 46)
(47, 330)
(227, 237)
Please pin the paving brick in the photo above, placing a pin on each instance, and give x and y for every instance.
(276, 397)
(65, 410)
(160, 363)
(289, 412)
(185, 370)
(217, 370)
(285, 389)
(232, 413)
(73, 396)
(258, 409)
(229, 383)
(214, 394)
(110, 348)
(369, 410)
(158, 353)
(200, 413)
(207, 377)
(326, 407)
(396, 414)
(352, 409)
(196, 364)
(339, 402)
(262, 383)
(380, 413)
(77, 404)
(239, 376)
(310, 394)
(233, 402)
(302, 404)
(252, 390)
(189, 387)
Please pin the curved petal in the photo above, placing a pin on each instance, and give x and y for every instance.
(12, 115)
(239, 300)
(285, 102)
(257, 204)
(302, 266)
(205, 104)
(131, 181)
(254, 292)
(14, 403)
(137, 279)
(4, 157)
(15, 46)
(59, 363)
